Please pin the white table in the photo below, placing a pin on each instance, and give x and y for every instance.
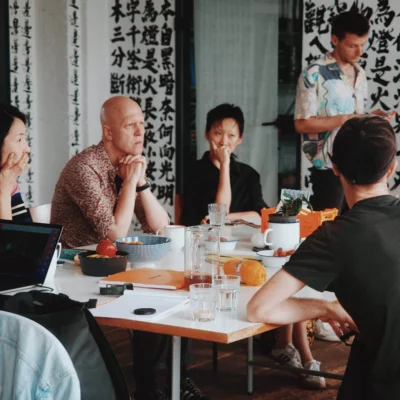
(227, 327)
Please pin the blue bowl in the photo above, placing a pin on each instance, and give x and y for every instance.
(153, 249)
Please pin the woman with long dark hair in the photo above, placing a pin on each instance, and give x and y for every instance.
(14, 158)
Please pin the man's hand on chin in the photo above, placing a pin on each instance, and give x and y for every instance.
(125, 164)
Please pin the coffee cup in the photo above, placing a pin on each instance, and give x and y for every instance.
(177, 235)
(285, 236)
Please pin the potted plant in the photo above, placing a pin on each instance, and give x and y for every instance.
(289, 210)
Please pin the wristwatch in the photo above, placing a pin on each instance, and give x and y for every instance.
(144, 187)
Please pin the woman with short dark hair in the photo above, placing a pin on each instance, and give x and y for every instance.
(218, 177)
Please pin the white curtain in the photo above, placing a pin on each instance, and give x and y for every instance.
(236, 59)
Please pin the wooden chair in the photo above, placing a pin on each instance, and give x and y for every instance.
(41, 213)
(178, 208)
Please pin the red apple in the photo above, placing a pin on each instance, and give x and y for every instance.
(106, 248)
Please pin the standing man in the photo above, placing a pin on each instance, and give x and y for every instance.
(356, 256)
(330, 91)
(100, 188)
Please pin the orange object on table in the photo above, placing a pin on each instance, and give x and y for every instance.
(265, 212)
(309, 220)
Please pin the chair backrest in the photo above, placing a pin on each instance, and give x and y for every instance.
(33, 361)
(178, 208)
(41, 213)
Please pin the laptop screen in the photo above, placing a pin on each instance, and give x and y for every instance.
(26, 251)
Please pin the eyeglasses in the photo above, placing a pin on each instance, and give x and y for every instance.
(345, 338)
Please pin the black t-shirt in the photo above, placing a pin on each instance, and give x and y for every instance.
(357, 256)
(201, 189)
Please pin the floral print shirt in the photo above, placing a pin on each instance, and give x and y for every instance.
(85, 198)
(323, 90)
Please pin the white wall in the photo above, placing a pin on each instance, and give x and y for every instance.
(96, 61)
(51, 86)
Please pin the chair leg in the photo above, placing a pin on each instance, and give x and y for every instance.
(250, 371)
(215, 356)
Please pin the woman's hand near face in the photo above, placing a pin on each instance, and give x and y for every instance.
(10, 171)
(222, 154)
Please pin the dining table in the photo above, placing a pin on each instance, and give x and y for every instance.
(228, 327)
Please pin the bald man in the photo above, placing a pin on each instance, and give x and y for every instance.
(100, 188)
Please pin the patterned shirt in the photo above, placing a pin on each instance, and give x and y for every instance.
(323, 90)
(85, 198)
(18, 210)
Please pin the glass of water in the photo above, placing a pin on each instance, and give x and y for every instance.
(216, 214)
(227, 287)
(203, 300)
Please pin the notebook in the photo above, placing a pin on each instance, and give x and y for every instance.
(147, 277)
(26, 253)
(124, 306)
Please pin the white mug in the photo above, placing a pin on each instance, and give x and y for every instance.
(286, 236)
(177, 235)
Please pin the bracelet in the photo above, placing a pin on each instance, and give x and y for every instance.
(144, 187)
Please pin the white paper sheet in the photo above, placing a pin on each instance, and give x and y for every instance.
(124, 306)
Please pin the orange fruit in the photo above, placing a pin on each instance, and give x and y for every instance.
(251, 272)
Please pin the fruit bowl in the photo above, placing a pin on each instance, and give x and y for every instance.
(150, 249)
(102, 266)
(226, 244)
(271, 261)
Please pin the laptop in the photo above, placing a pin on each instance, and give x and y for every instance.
(26, 253)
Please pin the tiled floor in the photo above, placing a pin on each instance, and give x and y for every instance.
(230, 380)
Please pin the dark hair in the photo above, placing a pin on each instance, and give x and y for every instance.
(364, 149)
(349, 22)
(8, 114)
(223, 111)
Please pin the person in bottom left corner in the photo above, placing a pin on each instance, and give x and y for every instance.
(14, 158)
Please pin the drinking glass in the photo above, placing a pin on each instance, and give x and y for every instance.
(227, 287)
(203, 300)
(216, 214)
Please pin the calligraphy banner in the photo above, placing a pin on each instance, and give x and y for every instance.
(22, 80)
(74, 76)
(142, 50)
(381, 59)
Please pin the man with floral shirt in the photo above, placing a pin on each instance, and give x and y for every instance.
(330, 91)
(96, 195)
(100, 188)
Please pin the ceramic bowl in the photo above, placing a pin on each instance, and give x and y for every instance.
(102, 266)
(225, 246)
(152, 249)
(271, 261)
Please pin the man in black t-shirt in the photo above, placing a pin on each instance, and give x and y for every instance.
(356, 256)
